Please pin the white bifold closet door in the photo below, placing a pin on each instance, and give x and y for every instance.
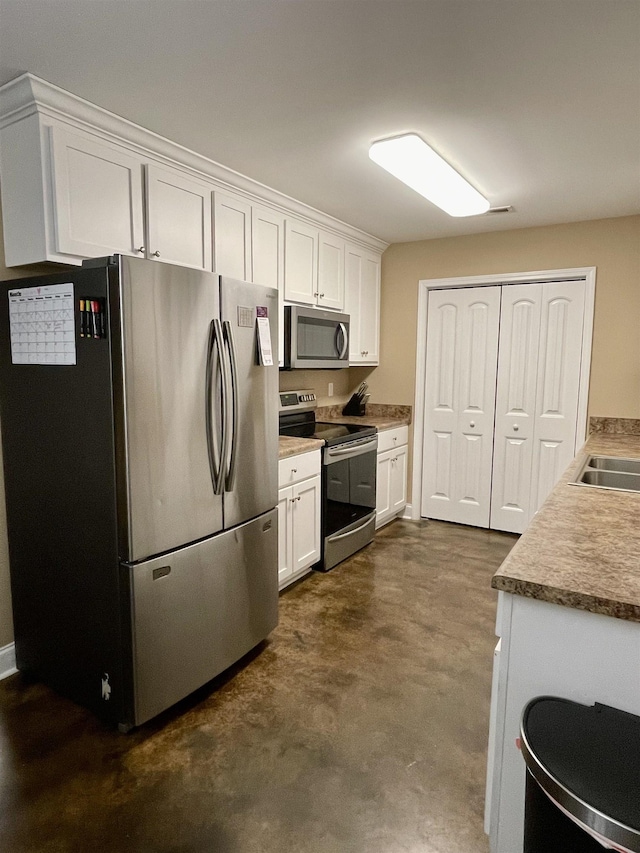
(462, 348)
(516, 406)
(498, 474)
(538, 385)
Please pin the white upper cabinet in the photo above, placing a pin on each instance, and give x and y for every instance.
(300, 262)
(267, 253)
(330, 271)
(314, 266)
(231, 236)
(78, 182)
(178, 218)
(362, 303)
(97, 196)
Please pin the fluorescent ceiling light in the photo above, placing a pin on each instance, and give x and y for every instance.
(411, 160)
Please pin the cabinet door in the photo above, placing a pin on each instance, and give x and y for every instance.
(267, 253)
(285, 565)
(97, 197)
(178, 218)
(558, 385)
(362, 303)
(300, 262)
(306, 524)
(398, 484)
(462, 348)
(232, 236)
(330, 271)
(383, 487)
(515, 406)
(369, 309)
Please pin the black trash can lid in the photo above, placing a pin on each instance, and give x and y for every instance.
(588, 760)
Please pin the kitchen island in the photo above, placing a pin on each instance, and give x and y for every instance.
(568, 621)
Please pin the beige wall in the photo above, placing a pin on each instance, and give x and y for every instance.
(611, 245)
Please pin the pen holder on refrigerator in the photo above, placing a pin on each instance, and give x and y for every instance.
(355, 406)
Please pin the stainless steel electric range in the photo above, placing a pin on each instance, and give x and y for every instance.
(349, 464)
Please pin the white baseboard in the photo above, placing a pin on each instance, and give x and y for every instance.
(7, 660)
(408, 513)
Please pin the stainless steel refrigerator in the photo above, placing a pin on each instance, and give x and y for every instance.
(140, 428)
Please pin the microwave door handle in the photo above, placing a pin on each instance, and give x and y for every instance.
(233, 432)
(214, 354)
(345, 340)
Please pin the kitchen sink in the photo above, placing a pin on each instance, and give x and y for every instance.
(610, 472)
(614, 463)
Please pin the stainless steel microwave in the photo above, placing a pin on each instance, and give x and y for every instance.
(315, 338)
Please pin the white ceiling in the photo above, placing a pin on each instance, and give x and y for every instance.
(536, 102)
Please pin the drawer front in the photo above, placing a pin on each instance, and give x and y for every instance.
(390, 438)
(293, 469)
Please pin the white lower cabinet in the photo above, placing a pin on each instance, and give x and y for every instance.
(299, 499)
(391, 482)
(548, 650)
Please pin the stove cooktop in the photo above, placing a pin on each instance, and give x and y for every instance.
(330, 433)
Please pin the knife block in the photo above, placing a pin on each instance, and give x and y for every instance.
(355, 406)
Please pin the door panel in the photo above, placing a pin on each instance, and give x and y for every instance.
(198, 610)
(178, 218)
(166, 313)
(515, 406)
(97, 198)
(558, 385)
(306, 523)
(231, 236)
(255, 486)
(462, 346)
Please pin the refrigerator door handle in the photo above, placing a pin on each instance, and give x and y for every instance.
(233, 432)
(213, 448)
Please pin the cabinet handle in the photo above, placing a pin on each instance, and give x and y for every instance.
(472, 424)
(155, 254)
(294, 470)
(316, 294)
(516, 427)
(140, 250)
(293, 500)
(321, 295)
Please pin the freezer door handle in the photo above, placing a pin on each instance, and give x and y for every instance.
(214, 364)
(233, 431)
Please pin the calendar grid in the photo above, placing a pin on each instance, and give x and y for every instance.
(41, 321)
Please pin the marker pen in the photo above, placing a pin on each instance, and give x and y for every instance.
(82, 319)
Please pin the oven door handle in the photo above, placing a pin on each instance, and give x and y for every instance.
(362, 526)
(347, 452)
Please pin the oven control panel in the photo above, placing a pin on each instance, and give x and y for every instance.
(297, 401)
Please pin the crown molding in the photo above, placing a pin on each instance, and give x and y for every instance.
(28, 94)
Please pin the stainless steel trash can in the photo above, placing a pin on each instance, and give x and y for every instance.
(583, 777)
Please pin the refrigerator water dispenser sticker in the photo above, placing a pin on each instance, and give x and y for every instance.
(41, 323)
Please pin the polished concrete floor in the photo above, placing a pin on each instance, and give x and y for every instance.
(359, 727)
